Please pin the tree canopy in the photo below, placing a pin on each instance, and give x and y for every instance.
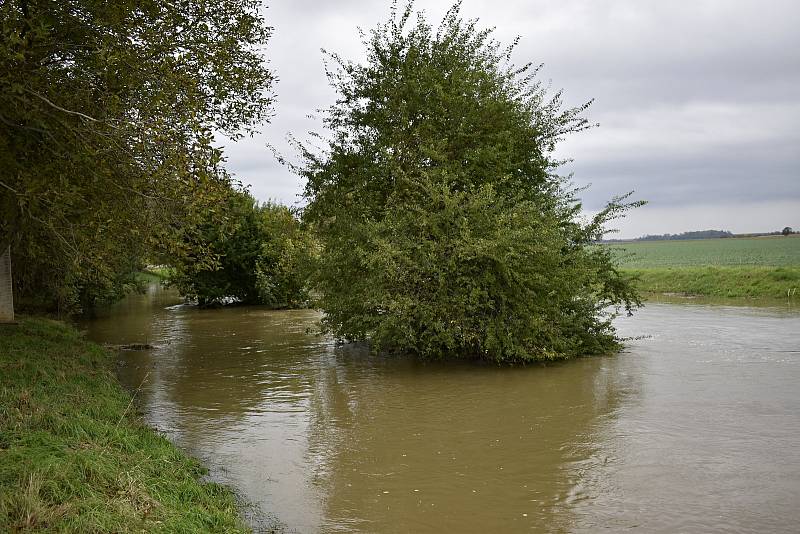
(108, 112)
(261, 255)
(444, 225)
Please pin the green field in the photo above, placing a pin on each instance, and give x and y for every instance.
(776, 251)
(757, 267)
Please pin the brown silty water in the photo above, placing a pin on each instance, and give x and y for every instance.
(692, 428)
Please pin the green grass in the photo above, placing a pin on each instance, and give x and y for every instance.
(725, 281)
(147, 277)
(162, 271)
(155, 273)
(758, 267)
(74, 457)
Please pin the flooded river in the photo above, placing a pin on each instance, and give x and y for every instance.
(695, 427)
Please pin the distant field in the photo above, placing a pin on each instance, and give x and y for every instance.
(751, 267)
(776, 251)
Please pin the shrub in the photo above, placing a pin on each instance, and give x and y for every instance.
(445, 230)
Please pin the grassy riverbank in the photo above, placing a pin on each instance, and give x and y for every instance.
(731, 282)
(75, 457)
(762, 267)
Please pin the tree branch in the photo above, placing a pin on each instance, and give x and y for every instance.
(59, 108)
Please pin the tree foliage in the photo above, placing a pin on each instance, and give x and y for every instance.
(261, 255)
(444, 226)
(106, 148)
(282, 267)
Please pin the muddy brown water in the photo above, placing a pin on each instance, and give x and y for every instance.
(694, 427)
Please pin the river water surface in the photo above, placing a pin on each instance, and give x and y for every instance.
(694, 427)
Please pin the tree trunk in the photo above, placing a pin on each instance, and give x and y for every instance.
(6, 288)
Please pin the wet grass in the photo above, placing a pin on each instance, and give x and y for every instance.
(74, 456)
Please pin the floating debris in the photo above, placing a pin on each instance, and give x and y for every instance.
(132, 346)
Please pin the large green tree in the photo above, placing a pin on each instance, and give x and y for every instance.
(261, 256)
(446, 229)
(108, 114)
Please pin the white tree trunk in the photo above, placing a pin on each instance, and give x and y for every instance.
(6, 288)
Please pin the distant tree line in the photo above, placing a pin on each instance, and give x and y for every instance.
(701, 234)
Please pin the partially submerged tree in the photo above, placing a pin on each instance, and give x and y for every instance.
(445, 228)
(261, 255)
(231, 235)
(106, 145)
(282, 267)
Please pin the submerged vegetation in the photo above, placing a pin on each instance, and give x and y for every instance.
(444, 226)
(261, 256)
(436, 221)
(74, 456)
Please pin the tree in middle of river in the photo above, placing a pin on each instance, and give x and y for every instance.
(444, 227)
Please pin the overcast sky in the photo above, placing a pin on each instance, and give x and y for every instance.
(698, 101)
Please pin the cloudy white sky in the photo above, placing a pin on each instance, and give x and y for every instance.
(698, 101)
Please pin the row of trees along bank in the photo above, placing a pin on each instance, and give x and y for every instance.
(107, 154)
(435, 221)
